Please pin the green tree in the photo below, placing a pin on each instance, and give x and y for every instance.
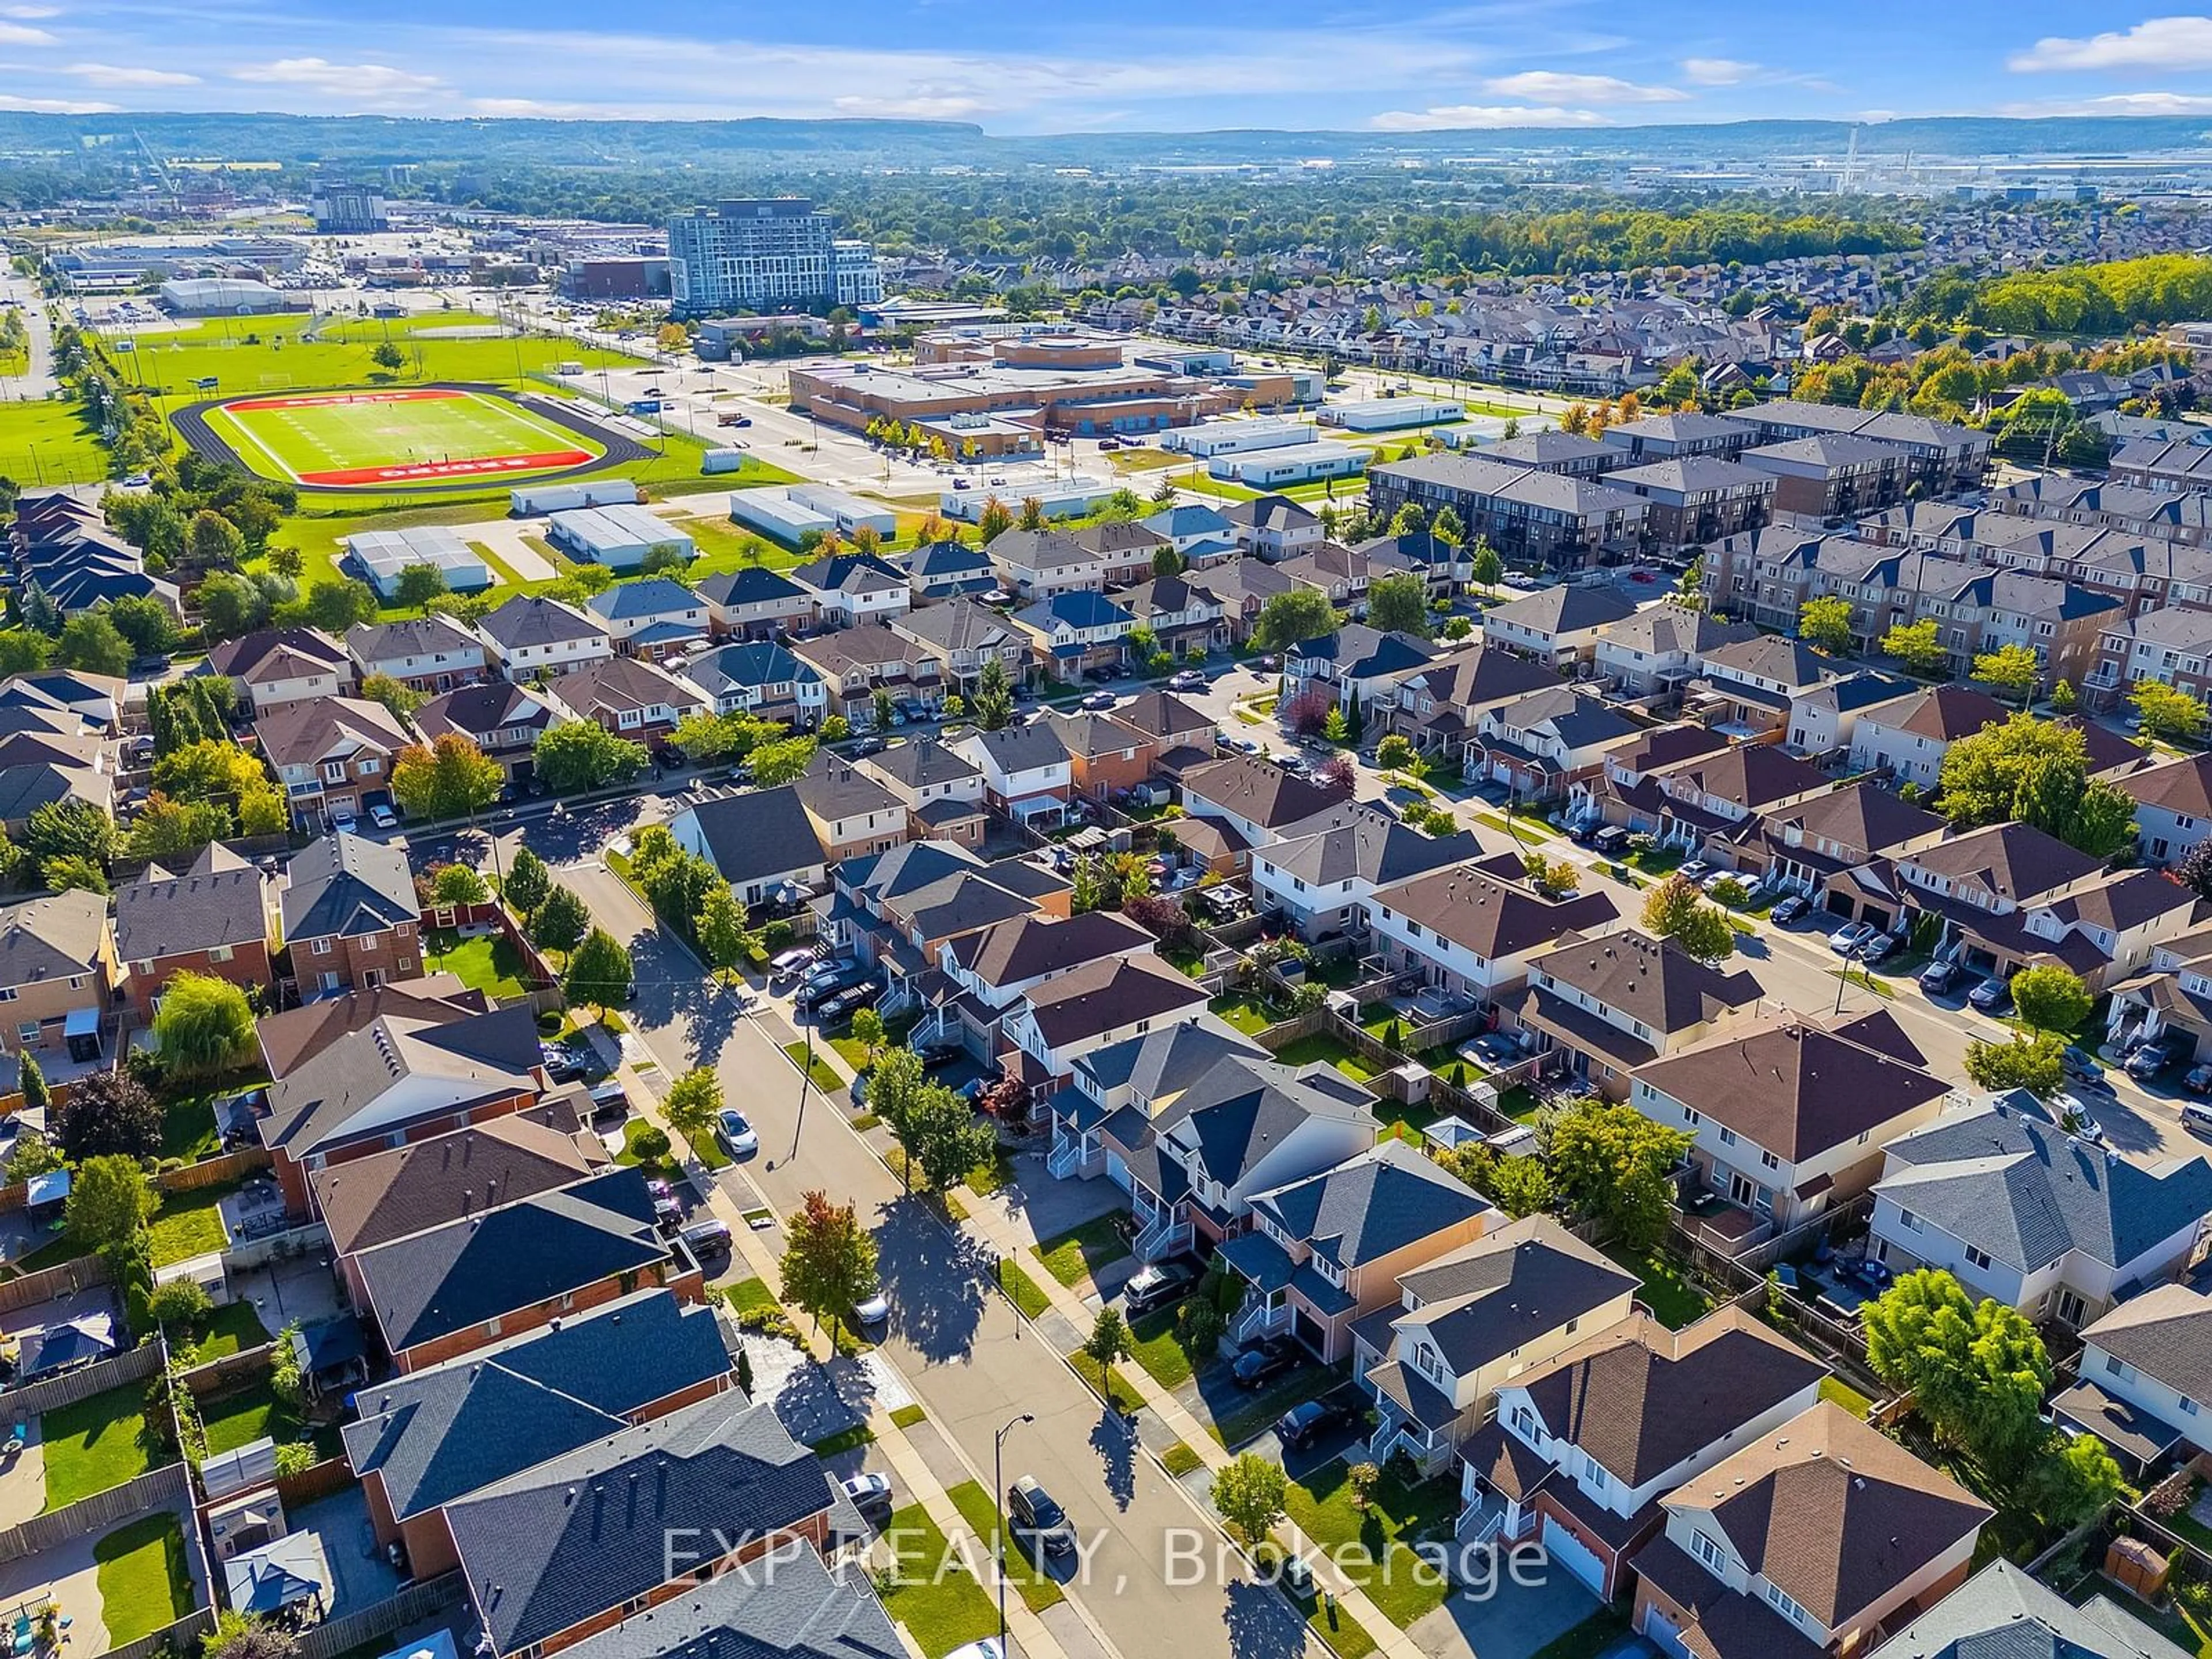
(336, 606)
(1397, 604)
(230, 606)
(1675, 909)
(69, 829)
(723, 934)
(388, 356)
(528, 882)
(1301, 613)
(2073, 1481)
(1487, 568)
(90, 643)
(400, 701)
(205, 1025)
(2011, 668)
(168, 828)
(1612, 1164)
(144, 622)
(31, 1083)
(1249, 1494)
(1826, 625)
(2051, 998)
(23, 651)
(580, 755)
(1918, 646)
(1107, 1346)
(2036, 771)
(2063, 697)
(2033, 1063)
(2165, 712)
(943, 1138)
(829, 1261)
(695, 1100)
(994, 697)
(782, 761)
(835, 728)
(559, 923)
(213, 542)
(599, 972)
(1978, 1370)
(450, 779)
(664, 559)
(705, 738)
(458, 886)
(109, 1204)
(1166, 563)
(868, 1031)
(882, 707)
(417, 586)
(66, 874)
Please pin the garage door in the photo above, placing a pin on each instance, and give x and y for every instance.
(1661, 1631)
(1576, 1557)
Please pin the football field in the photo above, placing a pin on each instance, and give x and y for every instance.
(413, 435)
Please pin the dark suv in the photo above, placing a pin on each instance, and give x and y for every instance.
(1301, 1424)
(1264, 1361)
(1157, 1286)
(1036, 1520)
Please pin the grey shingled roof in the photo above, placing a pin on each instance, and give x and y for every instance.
(1371, 1206)
(2002, 1612)
(439, 1434)
(2166, 1334)
(757, 835)
(1485, 1299)
(346, 887)
(54, 937)
(219, 899)
(2027, 1192)
(798, 1609)
(583, 1533)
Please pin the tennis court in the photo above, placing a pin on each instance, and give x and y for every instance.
(417, 435)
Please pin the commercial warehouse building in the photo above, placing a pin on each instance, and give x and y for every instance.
(1296, 463)
(226, 296)
(379, 556)
(786, 515)
(1390, 414)
(1063, 498)
(618, 537)
(1233, 437)
(532, 500)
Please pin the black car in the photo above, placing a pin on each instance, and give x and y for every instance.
(1264, 1361)
(868, 746)
(1789, 909)
(1296, 1426)
(1157, 1285)
(815, 991)
(1992, 996)
(848, 1002)
(936, 1056)
(1937, 977)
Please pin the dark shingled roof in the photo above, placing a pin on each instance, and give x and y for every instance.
(346, 887)
(1372, 1206)
(789, 1607)
(219, 899)
(2001, 1612)
(367, 1202)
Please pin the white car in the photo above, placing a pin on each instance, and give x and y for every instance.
(873, 1311)
(384, 818)
(1850, 936)
(735, 1135)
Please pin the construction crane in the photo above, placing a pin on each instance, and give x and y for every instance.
(160, 171)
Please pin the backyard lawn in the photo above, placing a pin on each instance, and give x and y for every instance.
(145, 1578)
(942, 1607)
(1037, 1588)
(1322, 1046)
(1670, 1296)
(188, 1129)
(1248, 1013)
(234, 1328)
(1076, 1255)
(1842, 1393)
(188, 1225)
(1397, 1517)
(246, 1416)
(95, 1444)
(488, 963)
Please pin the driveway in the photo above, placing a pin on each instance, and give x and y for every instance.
(1515, 1622)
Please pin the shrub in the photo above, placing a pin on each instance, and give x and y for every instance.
(769, 1321)
(181, 1305)
(650, 1143)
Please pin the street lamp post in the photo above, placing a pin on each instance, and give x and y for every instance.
(999, 1498)
(1843, 979)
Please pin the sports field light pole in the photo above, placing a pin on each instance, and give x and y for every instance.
(999, 1497)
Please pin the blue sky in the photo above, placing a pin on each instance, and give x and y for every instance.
(1074, 65)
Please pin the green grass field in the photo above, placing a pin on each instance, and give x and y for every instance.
(396, 439)
(49, 442)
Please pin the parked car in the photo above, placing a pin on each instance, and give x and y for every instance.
(1851, 937)
(562, 1064)
(820, 987)
(1611, 840)
(2148, 1061)
(667, 1208)
(1992, 996)
(1099, 700)
(2196, 1117)
(784, 963)
(1188, 679)
(1788, 909)
(937, 1055)
(1693, 869)
(870, 1494)
(610, 1099)
(1157, 1285)
(1264, 1361)
(1939, 977)
(872, 1310)
(707, 1240)
(733, 1134)
(2075, 1118)
(1296, 1426)
(1034, 1518)
(1711, 882)
(867, 746)
(1878, 948)
(848, 1002)
(2081, 1065)
(2199, 1082)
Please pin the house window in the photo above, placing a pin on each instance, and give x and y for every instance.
(1524, 1421)
(1770, 1160)
(1728, 1136)
(1592, 1472)
(1703, 1546)
(1908, 1221)
(368, 942)
(1693, 1117)
(219, 953)
(1783, 1605)
(322, 946)
(1976, 1257)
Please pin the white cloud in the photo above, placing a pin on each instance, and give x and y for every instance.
(1447, 117)
(922, 106)
(1718, 71)
(20, 34)
(30, 11)
(2160, 43)
(371, 81)
(53, 106)
(119, 75)
(1552, 87)
(2119, 103)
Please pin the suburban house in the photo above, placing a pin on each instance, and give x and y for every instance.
(429, 654)
(2009, 895)
(1273, 526)
(1027, 773)
(502, 719)
(854, 815)
(1811, 1540)
(58, 967)
(899, 910)
(1072, 633)
(1661, 647)
(1611, 1004)
(653, 617)
(1789, 1116)
(626, 695)
(1439, 707)
(1627, 792)
(1356, 667)
(1057, 1023)
(1186, 615)
(1471, 931)
(761, 678)
(1036, 564)
(2015, 1207)
(1907, 738)
(1194, 530)
(962, 636)
(434, 1436)
(1837, 849)
(1323, 873)
(528, 636)
(2000, 1609)
(2173, 806)
(334, 757)
(1325, 1250)
(1540, 745)
(274, 668)
(1470, 1320)
(1557, 625)
(217, 915)
(1752, 687)
(1254, 799)
(557, 1557)
(848, 589)
(855, 664)
(941, 794)
(754, 603)
(452, 1288)
(372, 1200)
(350, 916)
(1713, 801)
(1581, 1451)
(1128, 549)
(948, 570)
(2145, 1374)
(1106, 759)
(761, 841)
(1181, 736)
(1004, 961)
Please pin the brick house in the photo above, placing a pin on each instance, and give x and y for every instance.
(57, 964)
(350, 916)
(333, 756)
(215, 916)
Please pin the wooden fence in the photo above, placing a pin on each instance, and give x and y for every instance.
(332, 1474)
(36, 1399)
(218, 1376)
(417, 1602)
(214, 1171)
(169, 1487)
(66, 1279)
(183, 1637)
